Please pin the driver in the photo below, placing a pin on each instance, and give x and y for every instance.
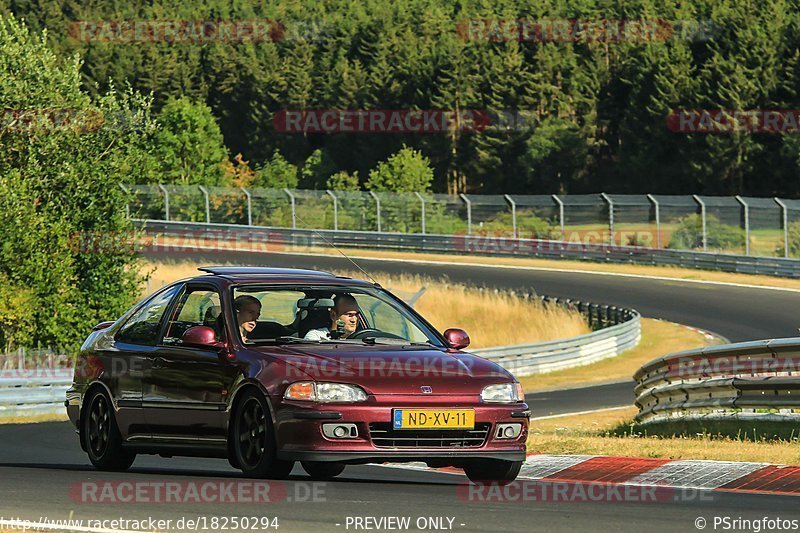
(345, 308)
(248, 309)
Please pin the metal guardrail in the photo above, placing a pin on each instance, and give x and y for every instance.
(542, 357)
(642, 219)
(231, 237)
(757, 380)
(40, 394)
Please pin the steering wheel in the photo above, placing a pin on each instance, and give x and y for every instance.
(371, 332)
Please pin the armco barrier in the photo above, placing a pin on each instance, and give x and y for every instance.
(750, 380)
(542, 357)
(41, 390)
(173, 237)
(38, 391)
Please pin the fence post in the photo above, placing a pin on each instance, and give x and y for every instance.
(746, 224)
(127, 204)
(208, 209)
(560, 214)
(21, 359)
(294, 212)
(377, 208)
(785, 220)
(166, 201)
(422, 202)
(469, 212)
(610, 216)
(335, 210)
(658, 219)
(703, 217)
(513, 213)
(249, 206)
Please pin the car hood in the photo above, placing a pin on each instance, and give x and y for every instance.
(393, 369)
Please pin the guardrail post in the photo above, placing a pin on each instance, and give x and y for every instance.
(294, 211)
(127, 204)
(658, 219)
(208, 210)
(469, 212)
(377, 208)
(610, 216)
(422, 203)
(702, 205)
(513, 213)
(166, 201)
(785, 221)
(335, 210)
(746, 224)
(249, 206)
(560, 215)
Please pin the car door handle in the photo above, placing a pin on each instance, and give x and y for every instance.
(158, 362)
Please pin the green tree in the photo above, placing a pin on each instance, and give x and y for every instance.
(276, 173)
(189, 145)
(406, 171)
(343, 181)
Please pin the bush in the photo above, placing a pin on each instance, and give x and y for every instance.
(719, 236)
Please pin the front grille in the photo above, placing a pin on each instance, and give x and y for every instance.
(384, 436)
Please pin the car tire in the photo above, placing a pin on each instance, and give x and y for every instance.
(492, 471)
(254, 439)
(319, 470)
(101, 436)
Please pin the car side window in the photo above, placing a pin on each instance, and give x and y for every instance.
(144, 326)
(197, 307)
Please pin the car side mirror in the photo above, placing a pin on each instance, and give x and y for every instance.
(201, 337)
(456, 338)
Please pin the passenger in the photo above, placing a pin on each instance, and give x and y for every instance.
(248, 309)
(345, 309)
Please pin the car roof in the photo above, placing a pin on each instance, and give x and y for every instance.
(247, 275)
(262, 271)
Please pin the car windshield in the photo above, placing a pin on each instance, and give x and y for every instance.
(357, 314)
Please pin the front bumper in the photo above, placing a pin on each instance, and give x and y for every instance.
(299, 433)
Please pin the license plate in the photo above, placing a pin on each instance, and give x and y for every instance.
(433, 418)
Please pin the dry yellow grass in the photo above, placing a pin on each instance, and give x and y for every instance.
(586, 435)
(32, 419)
(642, 270)
(658, 338)
(491, 318)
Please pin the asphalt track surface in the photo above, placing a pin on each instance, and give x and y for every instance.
(41, 465)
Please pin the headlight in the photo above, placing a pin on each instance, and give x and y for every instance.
(324, 392)
(503, 393)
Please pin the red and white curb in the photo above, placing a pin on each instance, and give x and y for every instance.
(650, 472)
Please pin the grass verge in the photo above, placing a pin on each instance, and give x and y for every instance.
(33, 419)
(658, 338)
(602, 433)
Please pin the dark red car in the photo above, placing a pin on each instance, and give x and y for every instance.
(219, 366)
